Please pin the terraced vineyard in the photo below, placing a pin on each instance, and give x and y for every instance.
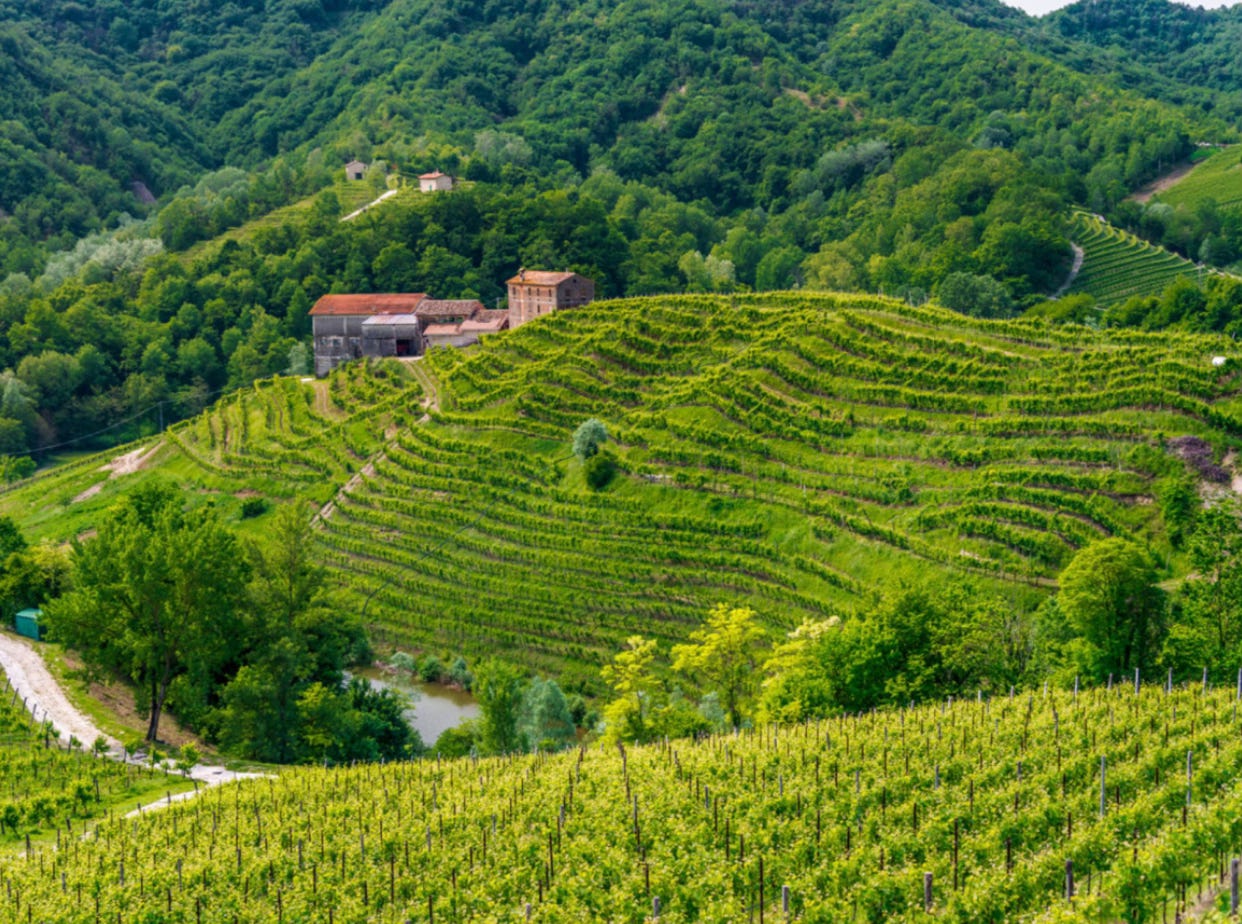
(1103, 805)
(804, 453)
(281, 439)
(1218, 178)
(1119, 265)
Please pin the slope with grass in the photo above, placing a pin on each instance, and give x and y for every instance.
(994, 799)
(806, 453)
(282, 439)
(1118, 265)
(1217, 178)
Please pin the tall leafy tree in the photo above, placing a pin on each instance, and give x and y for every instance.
(499, 688)
(1110, 598)
(157, 594)
(724, 652)
(634, 687)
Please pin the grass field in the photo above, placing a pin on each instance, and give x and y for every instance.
(804, 453)
(1119, 265)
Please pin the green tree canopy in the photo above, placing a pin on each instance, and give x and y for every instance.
(1110, 599)
(724, 652)
(590, 435)
(157, 594)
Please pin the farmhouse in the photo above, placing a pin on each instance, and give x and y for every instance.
(355, 170)
(534, 292)
(336, 322)
(465, 332)
(434, 182)
(395, 324)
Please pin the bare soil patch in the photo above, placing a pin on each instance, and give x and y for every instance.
(1168, 181)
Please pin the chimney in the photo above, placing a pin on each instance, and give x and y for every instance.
(522, 274)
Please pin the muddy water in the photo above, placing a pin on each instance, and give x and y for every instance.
(435, 708)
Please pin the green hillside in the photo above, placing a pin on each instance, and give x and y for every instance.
(1194, 46)
(993, 798)
(805, 453)
(283, 439)
(1118, 265)
(1217, 179)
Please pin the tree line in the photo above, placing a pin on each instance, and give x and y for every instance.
(1110, 621)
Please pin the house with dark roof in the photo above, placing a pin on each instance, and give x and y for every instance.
(536, 292)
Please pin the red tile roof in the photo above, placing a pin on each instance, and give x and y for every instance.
(448, 308)
(434, 175)
(388, 303)
(487, 322)
(540, 278)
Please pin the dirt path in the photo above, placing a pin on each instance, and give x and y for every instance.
(127, 464)
(370, 205)
(43, 697)
(1168, 181)
(1079, 256)
(430, 403)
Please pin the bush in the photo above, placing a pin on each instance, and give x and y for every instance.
(253, 507)
(599, 470)
(430, 669)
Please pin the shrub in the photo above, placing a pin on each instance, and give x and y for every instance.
(599, 470)
(253, 507)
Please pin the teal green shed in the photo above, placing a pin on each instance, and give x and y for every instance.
(27, 623)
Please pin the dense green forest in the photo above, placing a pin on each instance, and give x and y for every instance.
(926, 150)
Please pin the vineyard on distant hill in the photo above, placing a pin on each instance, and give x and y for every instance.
(1121, 799)
(1218, 178)
(808, 454)
(1119, 265)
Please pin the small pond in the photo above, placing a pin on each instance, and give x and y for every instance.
(436, 708)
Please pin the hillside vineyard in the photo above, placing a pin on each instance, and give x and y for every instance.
(805, 451)
(1050, 806)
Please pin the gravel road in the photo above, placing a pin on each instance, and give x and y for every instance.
(45, 700)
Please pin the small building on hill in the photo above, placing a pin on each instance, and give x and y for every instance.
(353, 326)
(355, 170)
(535, 292)
(464, 333)
(435, 182)
(447, 310)
(336, 322)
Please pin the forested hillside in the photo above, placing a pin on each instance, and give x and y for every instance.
(109, 104)
(1194, 46)
(919, 149)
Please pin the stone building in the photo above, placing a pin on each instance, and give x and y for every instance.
(435, 182)
(392, 335)
(353, 326)
(337, 320)
(355, 170)
(534, 292)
